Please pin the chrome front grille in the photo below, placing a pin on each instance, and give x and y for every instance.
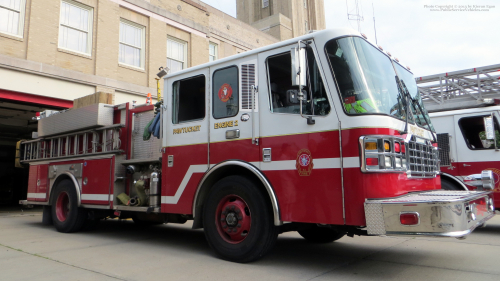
(422, 158)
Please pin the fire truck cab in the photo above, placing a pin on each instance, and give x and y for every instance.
(322, 134)
(466, 149)
(464, 108)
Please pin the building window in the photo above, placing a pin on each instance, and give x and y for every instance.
(176, 55)
(305, 4)
(265, 4)
(307, 26)
(12, 17)
(188, 99)
(75, 31)
(132, 44)
(212, 51)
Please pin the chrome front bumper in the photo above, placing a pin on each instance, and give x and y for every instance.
(441, 213)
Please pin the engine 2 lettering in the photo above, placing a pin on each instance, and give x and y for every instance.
(226, 124)
(187, 129)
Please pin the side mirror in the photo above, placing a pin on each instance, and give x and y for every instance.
(489, 128)
(483, 181)
(292, 96)
(298, 66)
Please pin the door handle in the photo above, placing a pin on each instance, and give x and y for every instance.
(232, 134)
(465, 165)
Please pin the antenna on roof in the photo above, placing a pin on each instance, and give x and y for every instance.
(374, 27)
(357, 17)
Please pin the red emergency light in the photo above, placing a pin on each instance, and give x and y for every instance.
(372, 161)
(410, 218)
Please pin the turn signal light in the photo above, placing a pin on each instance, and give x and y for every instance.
(387, 146)
(372, 161)
(371, 146)
(412, 218)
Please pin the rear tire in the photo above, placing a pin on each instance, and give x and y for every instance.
(238, 220)
(47, 215)
(66, 216)
(447, 184)
(321, 235)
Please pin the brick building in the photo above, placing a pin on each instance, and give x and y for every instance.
(54, 51)
(283, 19)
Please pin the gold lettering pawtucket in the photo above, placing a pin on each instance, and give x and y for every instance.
(186, 129)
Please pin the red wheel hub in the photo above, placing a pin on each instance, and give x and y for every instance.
(62, 206)
(233, 219)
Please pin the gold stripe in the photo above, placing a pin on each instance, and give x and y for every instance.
(230, 140)
(299, 133)
(207, 142)
(370, 128)
(185, 144)
(303, 133)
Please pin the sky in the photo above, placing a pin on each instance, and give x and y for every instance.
(428, 41)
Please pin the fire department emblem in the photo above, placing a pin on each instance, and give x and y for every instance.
(225, 92)
(304, 163)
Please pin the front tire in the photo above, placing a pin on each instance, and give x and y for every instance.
(318, 234)
(66, 216)
(238, 220)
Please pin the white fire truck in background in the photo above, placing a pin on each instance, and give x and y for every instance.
(465, 112)
(324, 134)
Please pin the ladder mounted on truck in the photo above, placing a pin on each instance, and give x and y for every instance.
(460, 89)
(104, 140)
(84, 131)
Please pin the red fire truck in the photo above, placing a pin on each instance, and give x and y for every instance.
(316, 134)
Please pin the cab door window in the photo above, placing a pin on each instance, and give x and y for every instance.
(474, 132)
(225, 92)
(188, 98)
(284, 97)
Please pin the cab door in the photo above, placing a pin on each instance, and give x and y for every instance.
(185, 139)
(234, 115)
(302, 160)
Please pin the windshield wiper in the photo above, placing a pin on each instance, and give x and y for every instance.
(405, 90)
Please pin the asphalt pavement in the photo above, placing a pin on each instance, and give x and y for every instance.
(120, 250)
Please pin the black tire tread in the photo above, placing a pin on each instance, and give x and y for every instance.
(447, 184)
(270, 232)
(77, 216)
(321, 235)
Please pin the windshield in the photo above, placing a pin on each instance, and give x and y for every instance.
(421, 114)
(368, 83)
